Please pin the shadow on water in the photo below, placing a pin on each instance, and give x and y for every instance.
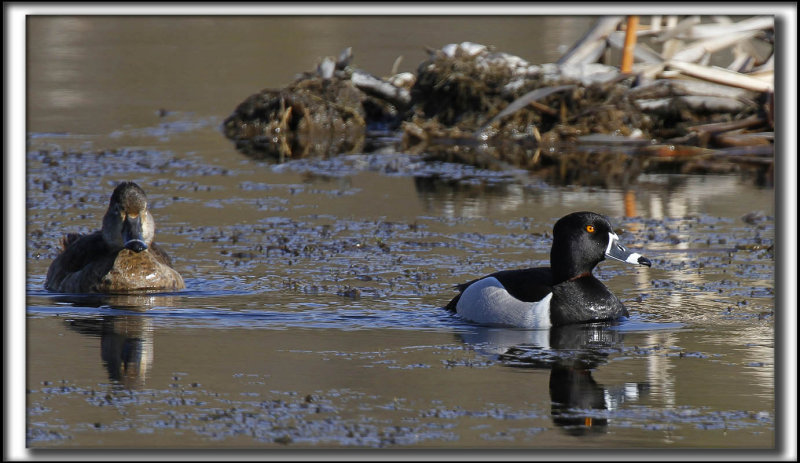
(579, 405)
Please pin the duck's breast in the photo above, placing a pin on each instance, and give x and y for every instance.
(583, 300)
(139, 271)
(78, 271)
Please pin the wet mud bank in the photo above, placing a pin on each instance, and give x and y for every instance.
(577, 121)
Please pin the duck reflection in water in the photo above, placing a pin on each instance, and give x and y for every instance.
(579, 405)
(126, 346)
(126, 340)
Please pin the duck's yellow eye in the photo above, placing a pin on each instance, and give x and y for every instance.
(590, 228)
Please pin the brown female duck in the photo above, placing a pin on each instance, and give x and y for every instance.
(120, 258)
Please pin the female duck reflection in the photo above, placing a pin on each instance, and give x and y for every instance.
(126, 346)
(577, 403)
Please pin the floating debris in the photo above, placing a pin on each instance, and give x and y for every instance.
(575, 118)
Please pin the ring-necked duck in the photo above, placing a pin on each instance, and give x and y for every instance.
(120, 258)
(564, 293)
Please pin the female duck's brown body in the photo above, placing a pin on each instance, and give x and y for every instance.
(120, 258)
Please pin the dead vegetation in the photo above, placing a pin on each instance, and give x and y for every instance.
(698, 98)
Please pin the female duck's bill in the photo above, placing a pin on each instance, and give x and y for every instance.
(564, 293)
(121, 257)
(133, 233)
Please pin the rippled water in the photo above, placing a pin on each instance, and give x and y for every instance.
(312, 317)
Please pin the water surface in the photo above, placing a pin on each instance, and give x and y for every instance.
(312, 317)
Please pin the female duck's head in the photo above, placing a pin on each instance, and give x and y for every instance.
(128, 223)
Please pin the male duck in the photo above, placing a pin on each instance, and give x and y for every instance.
(120, 258)
(564, 293)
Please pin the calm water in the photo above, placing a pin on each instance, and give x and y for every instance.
(311, 316)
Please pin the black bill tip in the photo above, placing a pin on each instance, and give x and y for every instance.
(136, 245)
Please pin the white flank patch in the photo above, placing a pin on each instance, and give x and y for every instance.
(487, 302)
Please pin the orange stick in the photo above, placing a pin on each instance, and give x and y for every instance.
(630, 203)
(630, 44)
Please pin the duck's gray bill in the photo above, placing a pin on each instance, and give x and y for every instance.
(619, 252)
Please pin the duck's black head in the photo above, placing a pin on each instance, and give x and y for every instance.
(128, 223)
(582, 240)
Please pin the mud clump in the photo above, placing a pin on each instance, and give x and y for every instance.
(312, 117)
(579, 123)
(456, 89)
(469, 91)
(322, 113)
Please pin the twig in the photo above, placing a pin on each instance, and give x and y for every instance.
(589, 48)
(722, 76)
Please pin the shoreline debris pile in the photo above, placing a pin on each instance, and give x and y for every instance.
(698, 97)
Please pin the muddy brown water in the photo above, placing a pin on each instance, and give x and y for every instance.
(311, 315)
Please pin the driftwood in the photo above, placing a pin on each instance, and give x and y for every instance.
(469, 103)
(641, 52)
(724, 27)
(722, 76)
(664, 87)
(524, 101)
(592, 45)
(378, 87)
